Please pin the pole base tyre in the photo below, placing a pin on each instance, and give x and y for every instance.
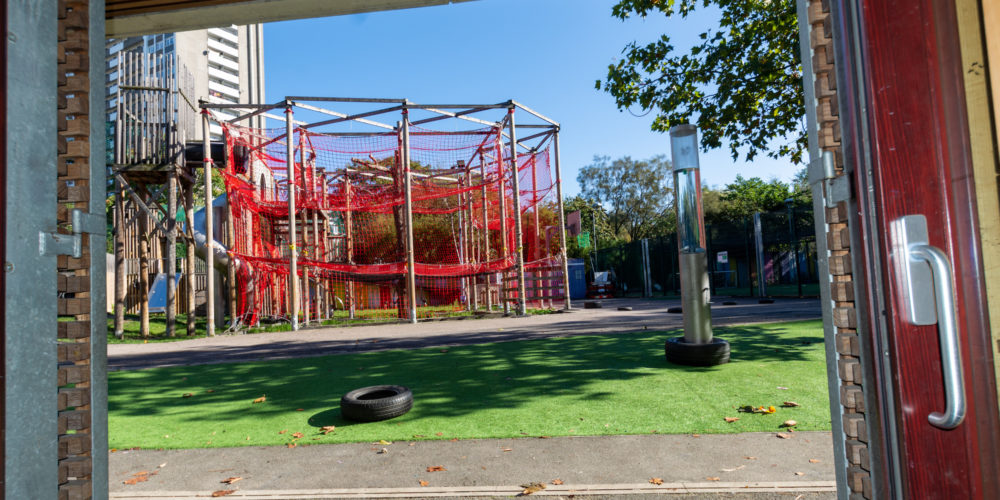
(681, 352)
(375, 403)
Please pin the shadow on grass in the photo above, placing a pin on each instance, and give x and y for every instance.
(450, 382)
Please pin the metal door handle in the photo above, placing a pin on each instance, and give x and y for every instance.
(929, 299)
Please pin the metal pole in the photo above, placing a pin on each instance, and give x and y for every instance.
(411, 272)
(348, 243)
(759, 241)
(794, 240)
(209, 228)
(471, 242)
(519, 250)
(306, 289)
(502, 190)
(562, 223)
(172, 253)
(293, 265)
(120, 271)
(189, 274)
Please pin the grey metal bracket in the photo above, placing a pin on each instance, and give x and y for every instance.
(53, 244)
(838, 188)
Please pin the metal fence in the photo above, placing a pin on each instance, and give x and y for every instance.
(772, 254)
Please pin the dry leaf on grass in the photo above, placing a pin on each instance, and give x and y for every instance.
(734, 469)
(231, 480)
(790, 404)
(439, 434)
(297, 435)
(436, 468)
(712, 478)
(532, 488)
(209, 390)
(283, 431)
(557, 482)
(731, 419)
(789, 423)
(382, 441)
(813, 461)
(423, 483)
(222, 493)
(782, 435)
(326, 429)
(187, 395)
(292, 445)
(258, 400)
(655, 480)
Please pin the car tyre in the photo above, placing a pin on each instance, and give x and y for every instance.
(681, 352)
(377, 402)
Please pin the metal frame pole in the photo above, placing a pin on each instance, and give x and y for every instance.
(306, 288)
(293, 265)
(562, 223)
(411, 272)
(471, 241)
(502, 190)
(348, 244)
(209, 227)
(189, 274)
(521, 299)
(120, 271)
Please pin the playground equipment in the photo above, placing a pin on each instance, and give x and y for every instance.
(696, 347)
(442, 212)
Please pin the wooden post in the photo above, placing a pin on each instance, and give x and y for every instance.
(172, 252)
(120, 271)
(144, 275)
(486, 229)
(189, 274)
(519, 241)
(293, 274)
(411, 275)
(209, 228)
(562, 224)
(348, 243)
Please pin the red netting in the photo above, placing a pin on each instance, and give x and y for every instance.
(350, 200)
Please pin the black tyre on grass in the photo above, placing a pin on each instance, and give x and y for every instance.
(377, 402)
(681, 352)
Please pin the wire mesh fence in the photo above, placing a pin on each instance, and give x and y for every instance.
(782, 264)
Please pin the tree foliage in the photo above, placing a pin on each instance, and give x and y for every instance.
(740, 84)
(634, 192)
(743, 197)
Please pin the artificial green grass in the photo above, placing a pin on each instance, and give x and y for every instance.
(571, 386)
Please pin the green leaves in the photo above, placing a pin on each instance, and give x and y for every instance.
(635, 192)
(741, 84)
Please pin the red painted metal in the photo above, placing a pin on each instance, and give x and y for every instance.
(921, 165)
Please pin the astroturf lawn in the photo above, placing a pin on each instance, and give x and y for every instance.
(571, 386)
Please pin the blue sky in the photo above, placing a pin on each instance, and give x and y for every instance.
(546, 54)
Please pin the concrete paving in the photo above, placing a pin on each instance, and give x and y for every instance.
(321, 341)
(752, 465)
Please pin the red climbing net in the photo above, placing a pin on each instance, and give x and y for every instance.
(350, 212)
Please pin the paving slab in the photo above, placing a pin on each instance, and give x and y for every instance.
(750, 463)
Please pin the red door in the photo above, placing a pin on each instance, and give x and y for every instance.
(911, 151)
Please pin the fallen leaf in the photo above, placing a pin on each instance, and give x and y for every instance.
(382, 441)
(813, 461)
(557, 482)
(532, 488)
(782, 388)
(258, 400)
(439, 434)
(790, 404)
(782, 435)
(544, 437)
(139, 477)
(326, 429)
(383, 451)
(508, 449)
(282, 431)
(222, 493)
(231, 480)
(423, 483)
(800, 473)
(292, 445)
(164, 464)
(297, 435)
(696, 435)
(712, 478)
(655, 480)
(750, 458)
(209, 390)
(413, 444)
(418, 435)
(444, 350)
(731, 419)
(114, 450)
(436, 468)
(734, 469)
(300, 409)
(789, 423)
(187, 395)
(453, 440)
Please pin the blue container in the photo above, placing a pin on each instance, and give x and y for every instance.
(577, 279)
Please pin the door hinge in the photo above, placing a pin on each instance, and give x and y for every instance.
(838, 188)
(54, 244)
